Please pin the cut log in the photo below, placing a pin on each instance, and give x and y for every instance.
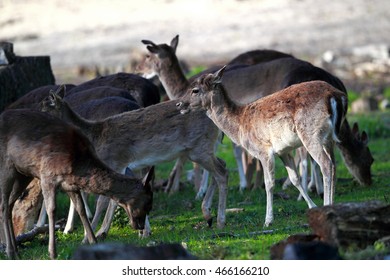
(351, 224)
(22, 74)
(27, 207)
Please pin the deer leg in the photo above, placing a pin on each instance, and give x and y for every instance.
(105, 227)
(303, 168)
(146, 232)
(101, 205)
(42, 216)
(240, 165)
(197, 176)
(268, 163)
(250, 168)
(203, 185)
(88, 211)
(7, 182)
(49, 193)
(324, 156)
(174, 178)
(219, 172)
(77, 200)
(289, 163)
(70, 220)
(71, 214)
(206, 203)
(221, 177)
(316, 178)
(259, 179)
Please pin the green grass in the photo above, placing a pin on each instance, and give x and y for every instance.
(177, 218)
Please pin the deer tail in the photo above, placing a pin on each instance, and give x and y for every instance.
(338, 106)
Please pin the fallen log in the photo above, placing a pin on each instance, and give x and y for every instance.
(351, 224)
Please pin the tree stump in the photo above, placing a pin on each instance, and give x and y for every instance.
(351, 224)
(27, 208)
(19, 75)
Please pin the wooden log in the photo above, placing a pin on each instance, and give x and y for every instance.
(351, 224)
(27, 207)
(21, 75)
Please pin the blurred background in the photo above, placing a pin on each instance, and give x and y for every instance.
(83, 34)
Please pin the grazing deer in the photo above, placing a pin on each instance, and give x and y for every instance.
(148, 136)
(36, 145)
(308, 114)
(93, 100)
(246, 84)
(33, 98)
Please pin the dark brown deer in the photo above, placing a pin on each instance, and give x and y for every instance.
(142, 90)
(36, 145)
(145, 137)
(308, 114)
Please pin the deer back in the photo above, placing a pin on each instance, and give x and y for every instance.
(143, 91)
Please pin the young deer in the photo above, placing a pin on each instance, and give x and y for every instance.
(36, 145)
(246, 84)
(145, 137)
(308, 114)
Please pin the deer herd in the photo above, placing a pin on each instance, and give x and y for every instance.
(106, 135)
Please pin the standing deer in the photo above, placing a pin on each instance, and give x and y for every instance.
(148, 136)
(247, 83)
(36, 145)
(308, 114)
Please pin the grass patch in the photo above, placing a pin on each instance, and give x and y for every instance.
(177, 218)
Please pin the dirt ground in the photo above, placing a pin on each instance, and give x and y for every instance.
(109, 32)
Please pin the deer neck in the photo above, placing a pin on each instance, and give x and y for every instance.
(98, 179)
(173, 79)
(225, 114)
(89, 128)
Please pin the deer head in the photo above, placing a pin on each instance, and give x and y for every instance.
(154, 60)
(200, 96)
(137, 209)
(359, 159)
(53, 103)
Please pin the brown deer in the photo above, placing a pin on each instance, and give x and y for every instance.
(36, 145)
(247, 83)
(148, 136)
(308, 114)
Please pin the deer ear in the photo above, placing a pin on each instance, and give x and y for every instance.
(355, 130)
(146, 181)
(61, 90)
(52, 98)
(174, 43)
(218, 75)
(153, 49)
(364, 138)
(148, 42)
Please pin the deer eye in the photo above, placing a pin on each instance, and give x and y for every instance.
(195, 90)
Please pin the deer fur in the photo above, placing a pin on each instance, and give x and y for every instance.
(149, 136)
(247, 83)
(308, 114)
(36, 145)
(93, 101)
(142, 90)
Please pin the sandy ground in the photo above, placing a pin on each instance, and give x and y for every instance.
(108, 32)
